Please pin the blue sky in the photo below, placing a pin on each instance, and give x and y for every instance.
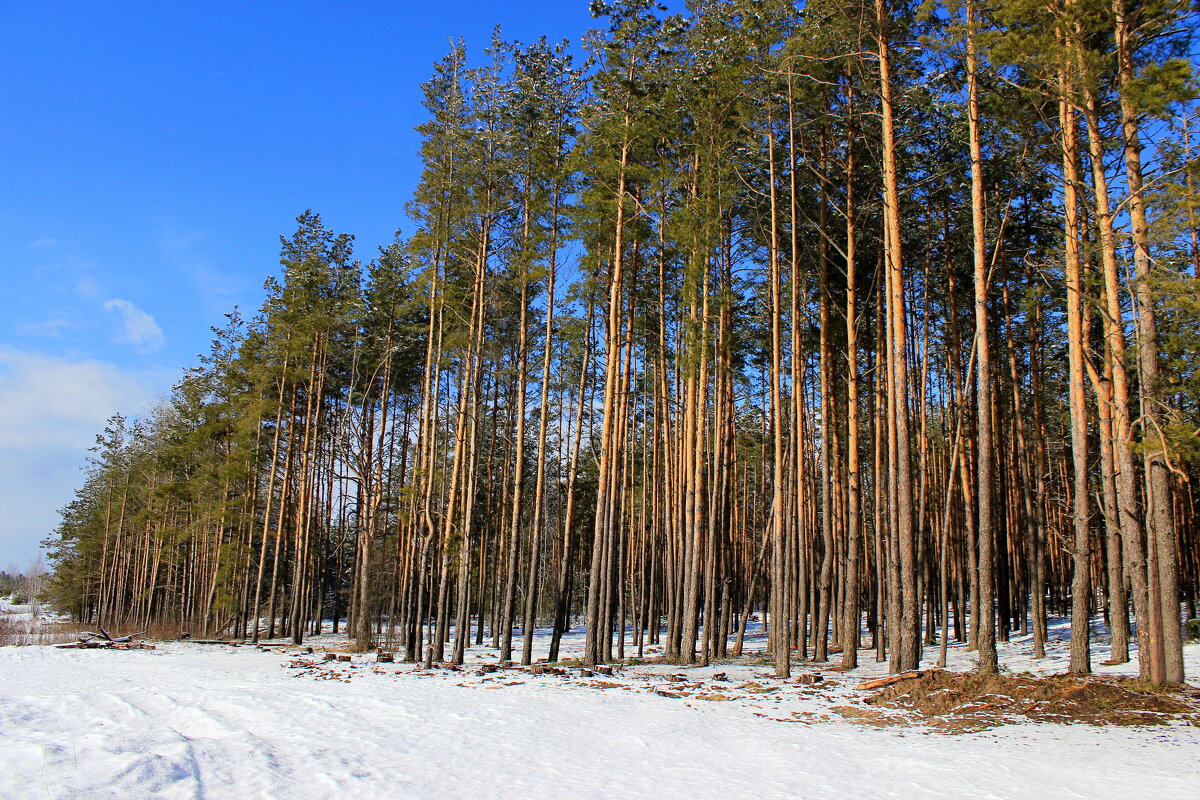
(151, 156)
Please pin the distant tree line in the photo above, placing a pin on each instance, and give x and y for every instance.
(23, 588)
(882, 320)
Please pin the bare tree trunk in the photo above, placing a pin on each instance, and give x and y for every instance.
(850, 619)
(907, 655)
(1081, 584)
(1166, 642)
(983, 393)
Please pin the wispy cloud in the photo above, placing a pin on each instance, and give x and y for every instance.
(45, 241)
(186, 251)
(53, 327)
(88, 288)
(137, 327)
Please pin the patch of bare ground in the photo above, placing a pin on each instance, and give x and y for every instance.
(954, 702)
(869, 716)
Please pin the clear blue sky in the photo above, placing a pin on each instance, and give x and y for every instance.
(151, 155)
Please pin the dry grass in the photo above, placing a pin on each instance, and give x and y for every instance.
(21, 630)
(159, 631)
(18, 629)
(963, 702)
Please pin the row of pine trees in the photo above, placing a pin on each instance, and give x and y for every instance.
(873, 321)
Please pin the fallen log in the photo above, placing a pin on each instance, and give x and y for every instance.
(879, 683)
(119, 639)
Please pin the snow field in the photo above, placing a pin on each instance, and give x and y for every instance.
(196, 721)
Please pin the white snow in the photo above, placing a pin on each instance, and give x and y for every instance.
(205, 721)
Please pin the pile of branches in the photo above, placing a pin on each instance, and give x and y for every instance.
(104, 640)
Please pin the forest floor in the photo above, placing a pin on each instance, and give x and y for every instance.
(189, 720)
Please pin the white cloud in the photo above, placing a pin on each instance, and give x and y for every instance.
(51, 402)
(51, 409)
(45, 241)
(137, 327)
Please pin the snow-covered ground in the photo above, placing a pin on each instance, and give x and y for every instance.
(205, 721)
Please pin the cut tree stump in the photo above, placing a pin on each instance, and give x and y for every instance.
(546, 669)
